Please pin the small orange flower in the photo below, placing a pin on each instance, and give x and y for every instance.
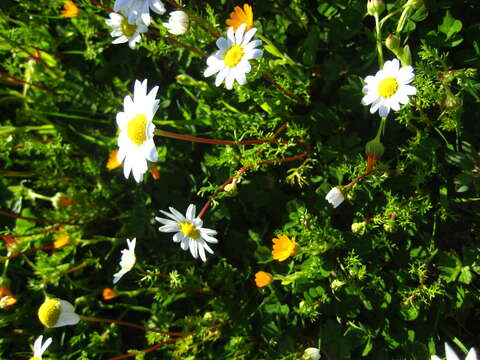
(70, 10)
(283, 247)
(155, 173)
(6, 297)
(112, 160)
(10, 241)
(109, 294)
(241, 16)
(263, 278)
(61, 240)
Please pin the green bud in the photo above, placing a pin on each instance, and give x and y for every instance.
(375, 7)
(451, 101)
(392, 42)
(231, 189)
(359, 227)
(390, 226)
(415, 3)
(336, 284)
(374, 148)
(184, 79)
(405, 56)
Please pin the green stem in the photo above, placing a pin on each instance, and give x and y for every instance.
(211, 141)
(378, 34)
(381, 129)
(389, 16)
(403, 18)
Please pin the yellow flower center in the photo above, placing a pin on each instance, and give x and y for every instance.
(49, 312)
(137, 129)
(387, 87)
(189, 230)
(34, 358)
(128, 29)
(233, 55)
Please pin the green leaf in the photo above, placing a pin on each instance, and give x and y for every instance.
(450, 26)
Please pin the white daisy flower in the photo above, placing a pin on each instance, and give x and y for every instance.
(335, 197)
(127, 261)
(139, 9)
(135, 141)
(188, 231)
(125, 31)
(39, 349)
(177, 23)
(231, 60)
(311, 353)
(389, 88)
(450, 354)
(56, 313)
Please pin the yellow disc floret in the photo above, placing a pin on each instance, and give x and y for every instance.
(128, 29)
(49, 312)
(387, 87)
(137, 129)
(189, 230)
(35, 358)
(233, 55)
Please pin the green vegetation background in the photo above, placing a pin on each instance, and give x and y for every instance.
(399, 286)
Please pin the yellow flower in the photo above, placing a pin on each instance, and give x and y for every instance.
(241, 16)
(113, 161)
(6, 297)
(70, 10)
(263, 278)
(283, 247)
(109, 294)
(61, 240)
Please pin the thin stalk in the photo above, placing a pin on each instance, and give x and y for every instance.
(211, 141)
(68, 271)
(132, 325)
(403, 18)
(283, 90)
(385, 18)
(147, 350)
(23, 82)
(378, 35)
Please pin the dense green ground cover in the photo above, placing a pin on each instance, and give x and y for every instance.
(391, 273)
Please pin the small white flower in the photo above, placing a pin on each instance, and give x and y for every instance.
(177, 23)
(188, 231)
(39, 349)
(312, 353)
(127, 261)
(389, 88)
(125, 31)
(231, 61)
(139, 9)
(335, 197)
(56, 312)
(450, 354)
(135, 141)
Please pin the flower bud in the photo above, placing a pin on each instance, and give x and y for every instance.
(335, 196)
(415, 3)
(231, 189)
(109, 294)
(336, 284)
(374, 150)
(311, 353)
(390, 226)
(184, 79)
(177, 23)
(392, 42)
(359, 227)
(375, 7)
(60, 200)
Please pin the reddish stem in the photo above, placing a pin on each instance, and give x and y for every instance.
(109, 9)
(358, 179)
(211, 141)
(72, 269)
(24, 217)
(46, 247)
(147, 350)
(284, 91)
(21, 81)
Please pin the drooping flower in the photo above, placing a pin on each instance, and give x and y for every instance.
(188, 231)
(127, 261)
(109, 294)
(135, 141)
(389, 88)
(139, 9)
(125, 31)
(112, 162)
(311, 353)
(241, 16)
(231, 61)
(263, 278)
(450, 354)
(6, 297)
(39, 349)
(70, 10)
(154, 172)
(335, 196)
(283, 247)
(56, 313)
(177, 23)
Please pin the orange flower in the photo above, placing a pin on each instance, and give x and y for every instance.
(155, 173)
(70, 10)
(109, 294)
(112, 161)
(6, 297)
(61, 240)
(10, 241)
(283, 247)
(263, 278)
(241, 16)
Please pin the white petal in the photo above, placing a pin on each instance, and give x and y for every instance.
(390, 69)
(37, 346)
(151, 153)
(172, 227)
(383, 110)
(157, 6)
(193, 247)
(190, 215)
(117, 276)
(67, 315)
(409, 89)
(229, 80)
(405, 75)
(120, 40)
(240, 77)
(178, 237)
(239, 34)
(45, 346)
(177, 214)
(255, 54)
(222, 43)
(369, 98)
(472, 355)
(231, 35)
(185, 242)
(450, 353)
(221, 76)
(248, 36)
(201, 252)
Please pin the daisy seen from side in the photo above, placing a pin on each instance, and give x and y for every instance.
(127, 261)
(188, 231)
(135, 142)
(241, 16)
(139, 9)
(56, 313)
(39, 348)
(389, 88)
(231, 61)
(124, 31)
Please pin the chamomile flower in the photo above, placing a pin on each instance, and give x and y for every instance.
(188, 231)
(56, 313)
(335, 196)
(139, 9)
(450, 354)
(135, 141)
(231, 61)
(177, 23)
(389, 88)
(127, 261)
(124, 31)
(39, 349)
